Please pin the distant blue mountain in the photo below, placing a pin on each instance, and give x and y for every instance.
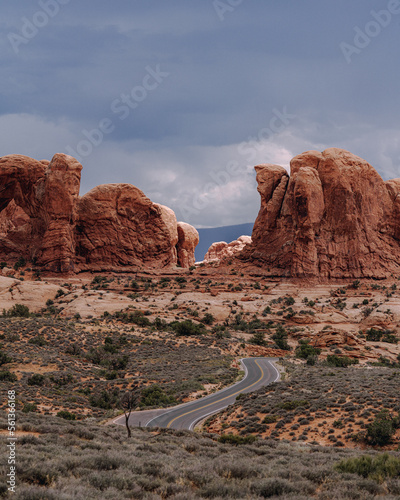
(208, 236)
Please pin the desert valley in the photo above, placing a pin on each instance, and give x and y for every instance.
(105, 310)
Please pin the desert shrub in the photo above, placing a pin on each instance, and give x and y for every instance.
(61, 378)
(306, 351)
(7, 376)
(270, 419)
(66, 415)
(73, 349)
(375, 335)
(381, 430)
(38, 340)
(258, 338)
(155, 396)
(235, 439)
(208, 319)
(272, 487)
(266, 311)
(106, 399)
(29, 407)
(36, 379)
(186, 328)
(4, 358)
(292, 405)
(21, 262)
(289, 301)
(18, 310)
(135, 285)
(377, 467)
(280, 338)
(340, 361)
(136, 317)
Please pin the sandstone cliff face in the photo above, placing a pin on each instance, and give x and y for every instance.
(43, 195)
(333, 217)
(58, 199)
(188, 239)
(119, 225)
(220, 249)
(43, 219)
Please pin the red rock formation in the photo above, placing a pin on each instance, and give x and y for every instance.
(327, 338)
(15, 229)
(334, 217)
(221, 249)
(58, 203)
(38, 199)
(119, 226)
(43, 219)
(188, 238)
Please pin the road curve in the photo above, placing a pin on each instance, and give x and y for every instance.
(258, 373)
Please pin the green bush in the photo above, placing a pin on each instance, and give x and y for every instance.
(208, 319)
(340, 361)
(7, 376)
(270, 419)
(375, 335)
(155, 396)
(280, 338)
(289, 301)
(136, 317)
(36, 379)
(38, 340)
(29, 407)
(236, 440)
(18, 310)
(292, 405)
(306, 351)
(21, 262)
(4, 358)
(381, 430)
(186, 328)
(66, 415)
(105, 400)
(377, 467)
(258, 338)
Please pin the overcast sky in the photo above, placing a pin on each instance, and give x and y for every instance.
(182, 98)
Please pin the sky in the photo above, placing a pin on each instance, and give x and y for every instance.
(182, 98)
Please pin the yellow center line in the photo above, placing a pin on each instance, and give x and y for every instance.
(223, 399)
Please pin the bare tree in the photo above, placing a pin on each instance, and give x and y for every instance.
(129, 401)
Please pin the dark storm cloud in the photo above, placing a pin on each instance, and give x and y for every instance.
(226, 81)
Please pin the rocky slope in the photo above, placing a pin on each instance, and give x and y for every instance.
(333, 217)
(44, 220)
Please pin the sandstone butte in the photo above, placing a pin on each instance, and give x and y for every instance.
(333, 217)
(44, 220)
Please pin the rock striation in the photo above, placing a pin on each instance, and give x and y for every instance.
(44, 220)
(333, 217)
(220, 249)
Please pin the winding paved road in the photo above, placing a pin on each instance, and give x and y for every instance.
(258, 373)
